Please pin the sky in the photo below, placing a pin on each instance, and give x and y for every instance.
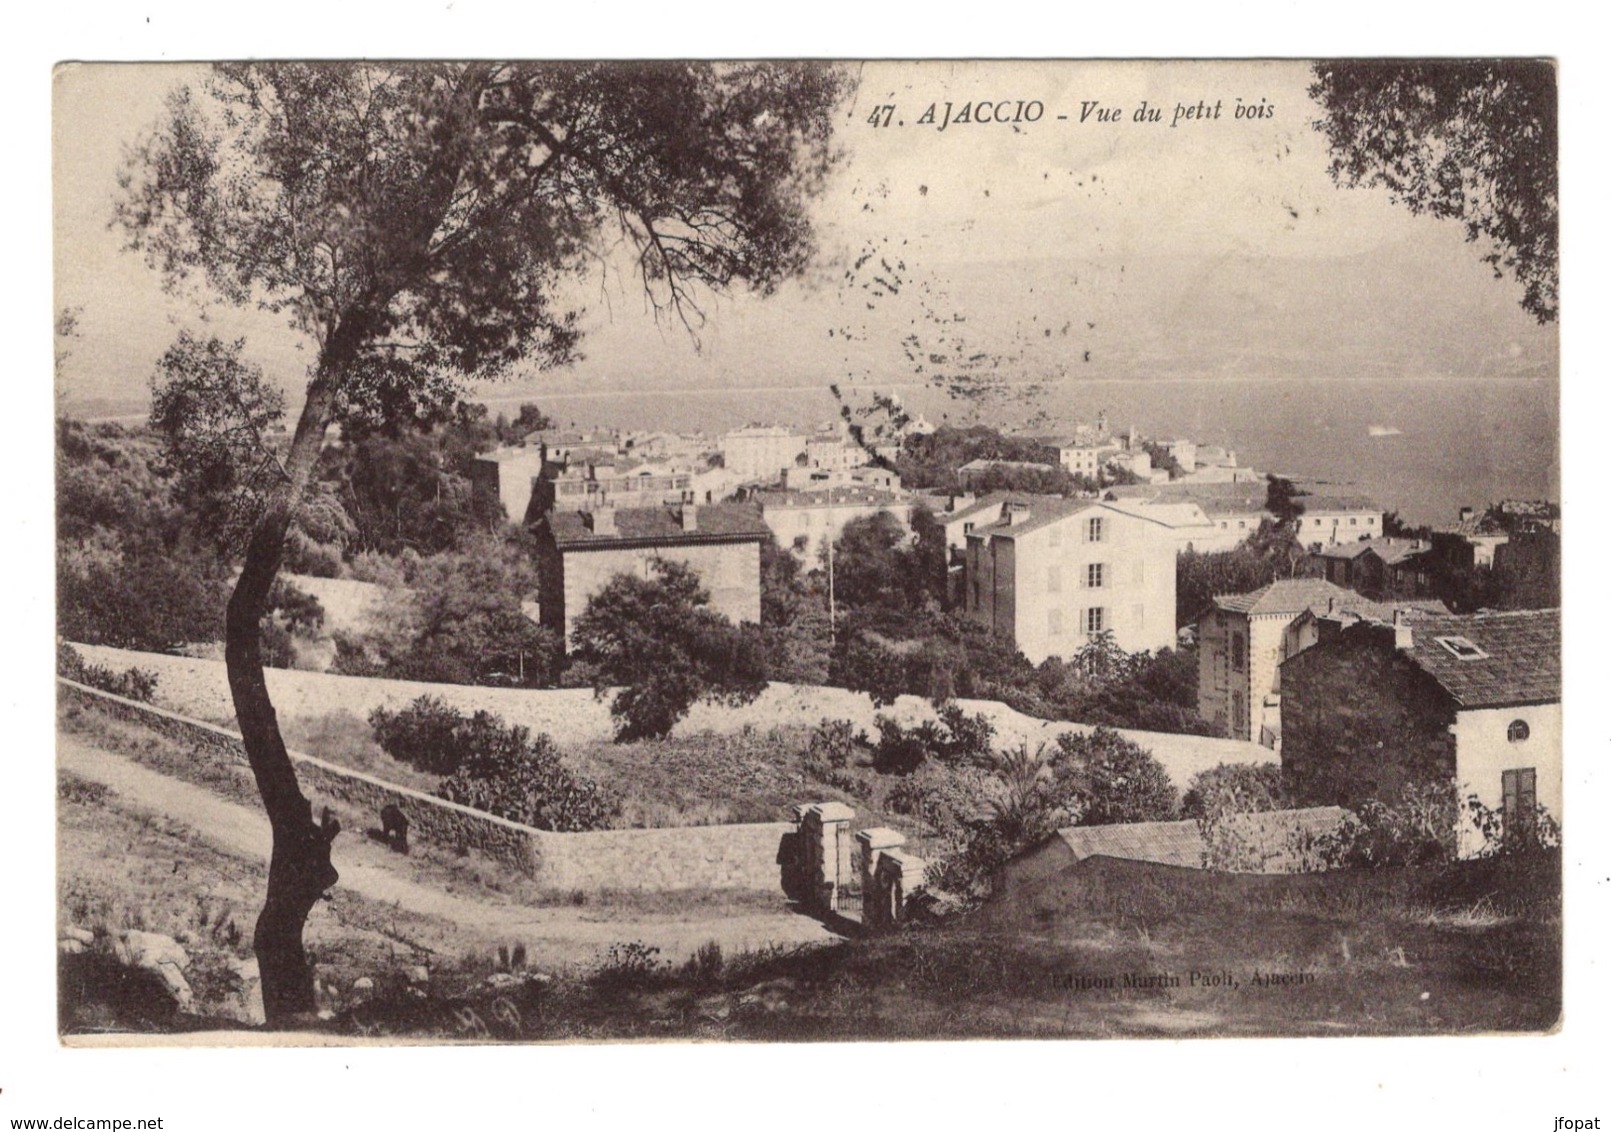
(1065, 247)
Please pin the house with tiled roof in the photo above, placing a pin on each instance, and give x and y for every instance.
(806, 521)
(1377, 566)
(1237, 509)
(1473, 699)
(1242, 641)
(1051, 574)
(579, 552)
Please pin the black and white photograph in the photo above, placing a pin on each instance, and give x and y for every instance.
(807, 550)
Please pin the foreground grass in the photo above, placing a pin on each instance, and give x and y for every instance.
(1109, 949)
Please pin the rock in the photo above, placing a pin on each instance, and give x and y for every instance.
(716, 1006)
(69, 946)
(82, 935)
(419, 975)
(503, 980)
(160, 954)
(246, 1004)
(364, 986)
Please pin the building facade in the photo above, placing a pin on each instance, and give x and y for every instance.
(1243, 641)
(1473, 700)
(579, 553)
(1052, 574)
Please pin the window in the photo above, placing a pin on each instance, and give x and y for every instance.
(1054, 579)
(1054, 622)
(1238, 652)
(1241, 524)
(1461, 648)
(1370, 521)
(1519, 798)
(1518, 731)
(1093, 530)
(1095, 619)
(967, 527)
(1353, 522)
(1093, 576)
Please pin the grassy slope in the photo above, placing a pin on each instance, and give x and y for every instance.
(1468, 948)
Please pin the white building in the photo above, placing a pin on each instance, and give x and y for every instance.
(1052, 574)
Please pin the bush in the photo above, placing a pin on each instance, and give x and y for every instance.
(132, 683)
(835, 743)
(1236, 788)
(427, 734)
(1419, 829)
(510, 773)
(955, 739)
(1114, 780)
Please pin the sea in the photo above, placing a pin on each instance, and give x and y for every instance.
(1423, 447)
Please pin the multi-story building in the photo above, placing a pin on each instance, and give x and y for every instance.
(1051, 574)
(579, 552)
(1243, 640)
(761, 452)
(806, 521)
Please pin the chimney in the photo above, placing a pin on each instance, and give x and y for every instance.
(1466, 514)
(601, 520)
(1402, 638)
(688, 515)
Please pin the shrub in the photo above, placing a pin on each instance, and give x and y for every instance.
(1537, 832)
(954, 739)
(427, 734)
(1236, 788)
(510, 773)
(835, 743)
(1418, 829)
(628, 967)
(132, 683)
(1113, 779)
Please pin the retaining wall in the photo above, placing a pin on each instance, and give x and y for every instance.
(716, 856)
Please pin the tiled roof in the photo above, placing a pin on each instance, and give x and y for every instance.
(1043, 510)
(727, 521)
(1181, 842)
(1290, 595)
(986, 465)
(1313, 504)
(830, 497)
(1170, 514)
(1394, 551)
(990, 503)
(1389, 550)
(1521, 662)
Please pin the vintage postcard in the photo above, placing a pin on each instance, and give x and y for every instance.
(790, 551)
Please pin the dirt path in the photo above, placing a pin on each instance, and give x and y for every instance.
(373, 872)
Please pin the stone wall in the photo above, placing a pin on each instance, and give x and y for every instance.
(718, 856)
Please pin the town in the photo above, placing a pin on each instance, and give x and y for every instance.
(616, 551)
(1202, 666)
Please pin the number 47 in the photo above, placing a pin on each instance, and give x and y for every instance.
(881, 115)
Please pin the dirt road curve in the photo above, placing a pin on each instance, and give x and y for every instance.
(373, 872)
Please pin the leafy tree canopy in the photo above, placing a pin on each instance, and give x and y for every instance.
(1473, 141)
(658, 639)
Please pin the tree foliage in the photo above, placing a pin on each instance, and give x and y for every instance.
(415, 222)
(660, 643)
(1113, 779)
(1473, 141)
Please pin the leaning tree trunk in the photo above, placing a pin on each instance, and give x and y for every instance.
(300, 871)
